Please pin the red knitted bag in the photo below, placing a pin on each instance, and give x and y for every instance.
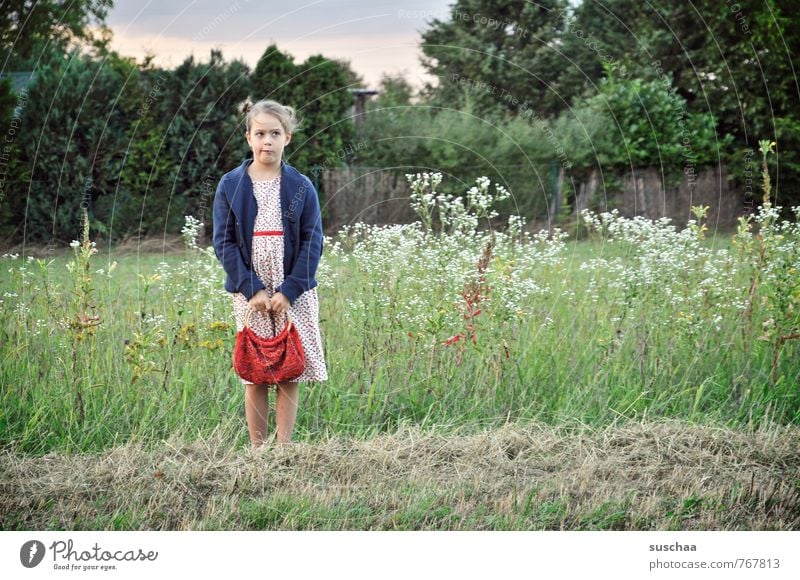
(268, 360)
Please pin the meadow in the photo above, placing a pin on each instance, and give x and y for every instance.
(480, 378)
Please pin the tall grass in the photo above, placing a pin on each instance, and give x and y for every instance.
(443, 323)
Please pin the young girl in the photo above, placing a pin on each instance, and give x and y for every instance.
(268, 236)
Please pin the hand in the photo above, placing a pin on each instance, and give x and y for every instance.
(260, 301)
(279, 303)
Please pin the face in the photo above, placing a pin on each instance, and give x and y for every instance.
(267, 139)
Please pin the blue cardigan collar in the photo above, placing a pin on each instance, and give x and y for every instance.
(290, 181)
(244, 202)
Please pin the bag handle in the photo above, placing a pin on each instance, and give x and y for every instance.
(250, 311)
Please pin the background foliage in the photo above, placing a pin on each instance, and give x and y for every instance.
(522, 91)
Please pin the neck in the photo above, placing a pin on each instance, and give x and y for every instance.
(264, 171)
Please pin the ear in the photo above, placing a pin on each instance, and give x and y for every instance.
(288, 138)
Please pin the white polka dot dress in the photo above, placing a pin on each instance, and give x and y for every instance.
(268, 265)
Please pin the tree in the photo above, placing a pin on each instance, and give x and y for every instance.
(26, 25)
(323, 101)
(732, 63)
(495, 54)
(203, 129)
(594, 39)
(71, 143)
(648, 124)
(735, 65)
(274, 75)
(32, 34)
(318, 89)
(394, 90)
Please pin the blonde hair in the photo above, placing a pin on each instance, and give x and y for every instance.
(285, 114)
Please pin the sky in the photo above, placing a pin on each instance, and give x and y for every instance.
(376, 36)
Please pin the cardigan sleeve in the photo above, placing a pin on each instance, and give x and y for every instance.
(227, 247)
(302, 276)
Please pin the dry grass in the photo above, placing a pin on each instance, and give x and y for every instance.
(659, 475)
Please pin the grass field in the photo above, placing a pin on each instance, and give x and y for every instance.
(641, 378)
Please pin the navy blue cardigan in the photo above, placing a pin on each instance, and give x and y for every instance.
(235, 210)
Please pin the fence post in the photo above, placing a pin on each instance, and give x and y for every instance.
(555, 205)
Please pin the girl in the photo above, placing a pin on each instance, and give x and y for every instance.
(268, 236)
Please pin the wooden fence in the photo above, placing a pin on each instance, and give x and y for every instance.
(364, 194)
(378, 196)
(643, 192)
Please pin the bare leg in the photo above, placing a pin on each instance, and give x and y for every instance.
(256, 409)
(286, 410)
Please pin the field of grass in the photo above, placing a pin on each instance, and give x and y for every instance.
(478, 380)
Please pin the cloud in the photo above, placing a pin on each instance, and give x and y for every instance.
(377, 36)
(369, 55)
